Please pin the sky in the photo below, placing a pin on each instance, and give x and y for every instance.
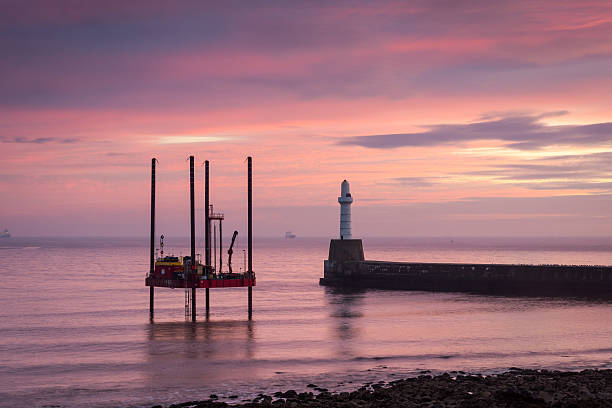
(448, 118)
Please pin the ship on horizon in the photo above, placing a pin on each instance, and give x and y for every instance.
(5, 234)
(289, 235)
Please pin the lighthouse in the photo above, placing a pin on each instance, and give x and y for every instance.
(345, 249)
(345, 201)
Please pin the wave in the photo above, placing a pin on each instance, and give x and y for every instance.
(19, 247)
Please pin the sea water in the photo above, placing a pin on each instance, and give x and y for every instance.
(75, 328)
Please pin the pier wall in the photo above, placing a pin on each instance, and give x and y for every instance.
(578, 280)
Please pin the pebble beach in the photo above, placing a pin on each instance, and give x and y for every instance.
(515, 388)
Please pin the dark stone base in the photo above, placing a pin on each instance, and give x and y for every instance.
(343, 250)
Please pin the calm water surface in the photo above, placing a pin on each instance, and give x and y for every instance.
(75, 330)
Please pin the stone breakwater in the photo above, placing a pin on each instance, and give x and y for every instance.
(516, 388)
(346, 267)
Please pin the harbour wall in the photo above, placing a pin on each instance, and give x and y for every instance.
(346, 267)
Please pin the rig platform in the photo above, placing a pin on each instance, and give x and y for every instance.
(187, 271)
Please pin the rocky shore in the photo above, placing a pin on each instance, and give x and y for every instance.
(515, 388)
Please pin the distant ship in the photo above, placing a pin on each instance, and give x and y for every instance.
(5, 234)
(289, 235)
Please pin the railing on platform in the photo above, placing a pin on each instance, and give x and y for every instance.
(187, 303)
(237, 280)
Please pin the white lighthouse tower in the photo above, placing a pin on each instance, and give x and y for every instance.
(345, 201)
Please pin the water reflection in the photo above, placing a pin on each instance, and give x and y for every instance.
(181, 353)
(218, 339)
(344, 307)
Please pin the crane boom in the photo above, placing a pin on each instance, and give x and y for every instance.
(230, 251)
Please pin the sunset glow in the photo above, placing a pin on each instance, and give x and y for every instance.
(481, 119)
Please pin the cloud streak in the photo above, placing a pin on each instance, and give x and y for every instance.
(416, 182)
(523, 132)
(592, 172)
(37, 140)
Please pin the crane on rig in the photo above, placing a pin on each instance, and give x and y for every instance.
(230, 251)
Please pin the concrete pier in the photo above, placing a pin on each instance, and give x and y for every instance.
(346, 267)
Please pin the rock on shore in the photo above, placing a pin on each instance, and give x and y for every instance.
(515, 388)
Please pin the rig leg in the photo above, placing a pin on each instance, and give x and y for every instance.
(151, 298)
(250, 302)
(193, 304)
(207, 302)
